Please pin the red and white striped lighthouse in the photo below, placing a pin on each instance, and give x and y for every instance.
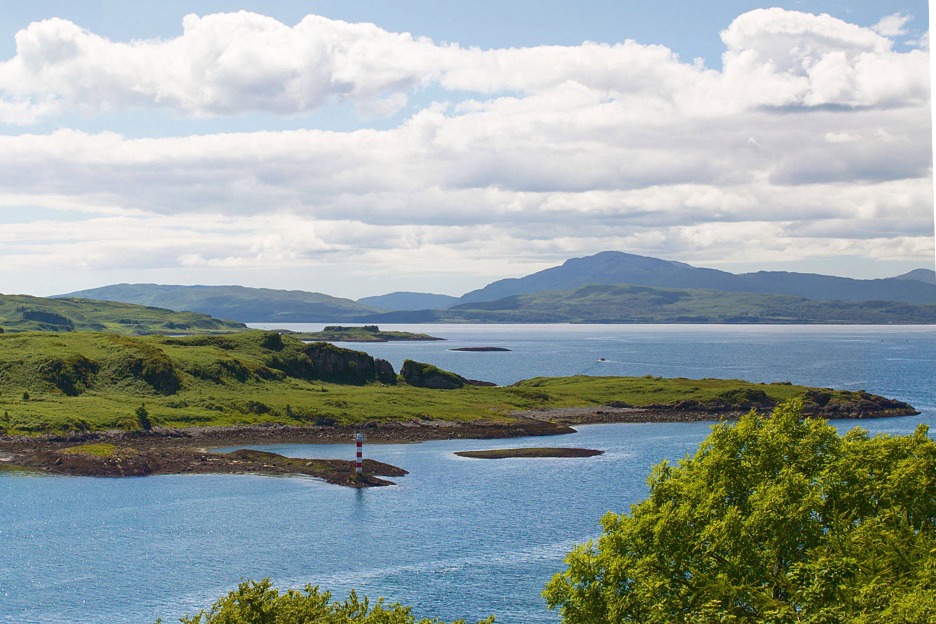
(359, 463)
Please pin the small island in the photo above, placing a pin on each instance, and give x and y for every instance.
(534, 452)
(139, 459)
(480, 349)
(366, 333)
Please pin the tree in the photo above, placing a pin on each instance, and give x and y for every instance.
(261, 603)
(773, 520)
(143, 419)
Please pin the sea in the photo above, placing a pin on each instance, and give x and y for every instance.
(456, 538)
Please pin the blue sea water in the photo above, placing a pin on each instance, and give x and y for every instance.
(456, 538)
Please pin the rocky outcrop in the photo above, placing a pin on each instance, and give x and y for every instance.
(861, 404)
(321, 361)
(817, 403)
(385, 372)
(428, 376)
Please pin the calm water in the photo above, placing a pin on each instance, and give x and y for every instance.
(457, 537)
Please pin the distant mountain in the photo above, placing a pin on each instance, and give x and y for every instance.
(712, 297)
(409, 301)
(613, 267)
(643, 304)
(927, 276)
(248, 305)
(20, 313)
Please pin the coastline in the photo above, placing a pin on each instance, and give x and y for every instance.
(188, 451)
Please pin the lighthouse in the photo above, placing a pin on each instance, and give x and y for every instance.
(359, 462)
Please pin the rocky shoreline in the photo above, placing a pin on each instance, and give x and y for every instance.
(187, 451)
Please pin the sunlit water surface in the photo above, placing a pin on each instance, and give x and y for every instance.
(456, 538)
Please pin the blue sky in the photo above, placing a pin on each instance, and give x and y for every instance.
(357, 148)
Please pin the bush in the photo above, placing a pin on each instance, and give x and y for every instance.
(143, 419)
(260, 603)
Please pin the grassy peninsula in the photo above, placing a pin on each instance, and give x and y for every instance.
(84, 382)
(105, 404)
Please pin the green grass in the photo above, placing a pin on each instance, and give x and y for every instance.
(645, 391)
(97, 450)
(22, 313)
(84, 381)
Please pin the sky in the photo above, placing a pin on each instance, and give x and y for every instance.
(360, 147)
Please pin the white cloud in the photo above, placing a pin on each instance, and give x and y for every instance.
(814, 137)
(241, 62)
(221, 64)
(892, 25)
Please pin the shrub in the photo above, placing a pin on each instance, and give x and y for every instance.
(261, 603)
(143, 419)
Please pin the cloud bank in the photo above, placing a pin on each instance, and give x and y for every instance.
(812, 140)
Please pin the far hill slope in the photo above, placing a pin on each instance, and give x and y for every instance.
(613, 267)
(19, 313)
(409, 301)
(641, 304)
(259, 305)
(927, 276)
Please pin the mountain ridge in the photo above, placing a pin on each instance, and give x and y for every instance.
(623, 303)
(608, 268)
(615, 267)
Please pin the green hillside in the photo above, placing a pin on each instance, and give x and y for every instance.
(250, 305)
(643, 304)
(60, 382)
(19, 313)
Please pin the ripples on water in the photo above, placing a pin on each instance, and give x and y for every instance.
(457, 537)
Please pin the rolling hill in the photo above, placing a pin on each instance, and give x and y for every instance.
(19, 313)
(257, 305)
(409, 301)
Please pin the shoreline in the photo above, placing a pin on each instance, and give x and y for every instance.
(119, 453)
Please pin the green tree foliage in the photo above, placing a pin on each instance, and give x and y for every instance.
(773, 520)
(261, 603)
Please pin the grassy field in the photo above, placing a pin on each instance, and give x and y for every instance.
(93, 381)
(20, 313)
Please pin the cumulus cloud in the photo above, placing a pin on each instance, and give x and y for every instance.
(221, 64)
(242, 62)
(813, 138)
(892, 25)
